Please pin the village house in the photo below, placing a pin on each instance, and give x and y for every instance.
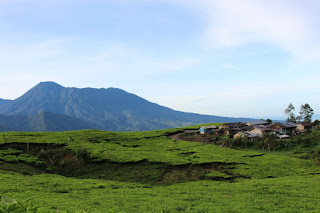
(207, 129)
(236, 125)
(250, 136)
(257, 123)
(254, 129)
(283, 136)
(304, 127)
(260, 130)
(285, 128)
(232, 128)
(226, 131)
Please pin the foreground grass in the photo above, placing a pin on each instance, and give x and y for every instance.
(286, 194)
(148, 172)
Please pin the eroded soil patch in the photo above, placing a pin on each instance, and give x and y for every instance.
(193, 136)
(60, 160)
(252, 156)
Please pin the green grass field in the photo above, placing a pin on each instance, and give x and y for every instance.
(98, 171)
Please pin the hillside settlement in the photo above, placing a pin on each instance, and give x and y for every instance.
(255, 129)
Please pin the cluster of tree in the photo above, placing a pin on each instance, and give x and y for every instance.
(306, 113)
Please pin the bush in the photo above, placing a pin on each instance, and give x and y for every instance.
(10, 158)
(9, 204)
(82, 154)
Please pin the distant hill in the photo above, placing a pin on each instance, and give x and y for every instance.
(107, 109)
(6, 129)
(44, 121)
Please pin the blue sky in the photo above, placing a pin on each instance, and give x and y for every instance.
(247, 58)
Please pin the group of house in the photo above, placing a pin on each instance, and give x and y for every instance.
(254, 129)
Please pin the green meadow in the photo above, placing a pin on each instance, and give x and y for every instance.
(99, 171)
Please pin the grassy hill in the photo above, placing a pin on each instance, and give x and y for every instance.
(98, 171)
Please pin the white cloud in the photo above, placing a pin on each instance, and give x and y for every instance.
(24, 65)
(288, 24)
(251, 21)
(243, 100)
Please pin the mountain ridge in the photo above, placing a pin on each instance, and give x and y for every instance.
(106, 109)
(3, 101)
(42, 122)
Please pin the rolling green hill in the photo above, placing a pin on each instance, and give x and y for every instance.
(98, 171)
(105, 109)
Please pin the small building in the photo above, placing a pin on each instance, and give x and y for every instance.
(284, 128)
(236, 125)
(207, 129)
(304, 127)
(232, 129)
(260, 130)
(240, 135)
(283, 136)
(220, 132)
(252, 137)
(248, 135)
(257, 123)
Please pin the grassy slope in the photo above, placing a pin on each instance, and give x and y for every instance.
(293, 187)
(286, 194)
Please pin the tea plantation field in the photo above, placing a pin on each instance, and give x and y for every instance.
(98, 171)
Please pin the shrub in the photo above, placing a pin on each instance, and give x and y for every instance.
(10, 158)
(82, 154)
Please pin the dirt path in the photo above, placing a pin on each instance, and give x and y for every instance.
(177, 136)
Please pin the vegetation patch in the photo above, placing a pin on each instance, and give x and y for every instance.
(14, 156)
(70, 163)
(98, 171)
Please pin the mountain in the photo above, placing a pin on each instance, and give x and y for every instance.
(6, 129)
(3, 101)
(43, 121)
(107, 109)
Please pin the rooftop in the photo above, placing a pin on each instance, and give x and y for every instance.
(257, 122)
(208, 127)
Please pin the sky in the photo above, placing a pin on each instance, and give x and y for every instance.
(239, 58)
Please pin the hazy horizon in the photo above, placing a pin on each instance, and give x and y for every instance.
(209, 57)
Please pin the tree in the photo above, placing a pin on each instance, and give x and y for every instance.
(316, 122)
(299, 118)
(269, 140)
(306, 113)
(269, 121)
(225, 140)
(289, 111)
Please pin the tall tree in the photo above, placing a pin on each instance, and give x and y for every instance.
(299, 118)
(269, 121)
(289, 111)
(306, 113)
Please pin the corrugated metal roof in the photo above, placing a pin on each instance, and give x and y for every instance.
(286, 125)
(292, 124)
(307, 124)
(208, 127)
(252, 135)
(283, 136)
(257, 122)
